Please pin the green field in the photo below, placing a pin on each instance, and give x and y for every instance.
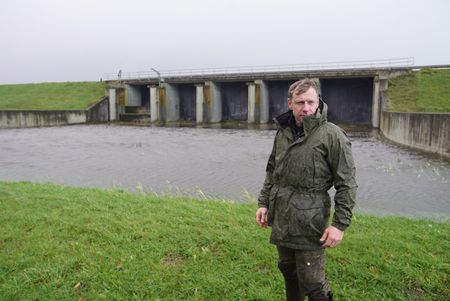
(427, 90)
(51, 96)
(62, 243)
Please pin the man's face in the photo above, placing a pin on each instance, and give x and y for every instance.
(304, 104)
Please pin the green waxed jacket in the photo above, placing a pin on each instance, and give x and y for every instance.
(299, 174)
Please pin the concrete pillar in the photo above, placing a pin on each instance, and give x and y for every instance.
(134, 96)
(376, 103)
(150, 100)
(214, 102)
(172, 103)
(112, 104)
(252, 108)
(263, 94)
(199, 103)
(154, 104)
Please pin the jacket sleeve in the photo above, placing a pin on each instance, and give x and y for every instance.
(340, 159)
(263, 199)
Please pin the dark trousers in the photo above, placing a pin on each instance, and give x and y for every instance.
(304, 274)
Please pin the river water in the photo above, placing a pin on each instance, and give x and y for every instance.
(220, 163)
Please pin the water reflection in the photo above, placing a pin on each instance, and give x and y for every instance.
(220, 163)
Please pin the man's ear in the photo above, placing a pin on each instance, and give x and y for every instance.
(289, 104)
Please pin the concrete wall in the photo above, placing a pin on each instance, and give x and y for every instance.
(20, 119)
(99, 112)
(429, 132)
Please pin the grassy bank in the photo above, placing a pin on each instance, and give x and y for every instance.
(425, 91)
(50, 96)
(60, 243)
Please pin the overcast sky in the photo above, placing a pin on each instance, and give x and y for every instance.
(82, 40)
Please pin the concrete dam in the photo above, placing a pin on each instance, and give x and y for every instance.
(355, 93)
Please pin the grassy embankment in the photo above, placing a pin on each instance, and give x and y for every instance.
(61, 243)
(427, 90)
(51, 96)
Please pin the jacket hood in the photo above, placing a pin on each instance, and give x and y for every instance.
(309, 122)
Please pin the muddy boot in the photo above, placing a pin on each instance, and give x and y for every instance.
(293, 292)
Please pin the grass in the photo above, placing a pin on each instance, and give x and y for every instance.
(427, 90)
(51, 96)
(62, 243)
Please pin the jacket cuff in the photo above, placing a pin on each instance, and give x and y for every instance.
(341, 227)
(263, 203)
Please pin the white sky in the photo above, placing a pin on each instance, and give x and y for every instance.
(78, 40)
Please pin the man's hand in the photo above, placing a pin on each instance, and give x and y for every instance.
(261, 217)
(331, 237)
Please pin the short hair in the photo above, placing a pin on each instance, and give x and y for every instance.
(303, 85)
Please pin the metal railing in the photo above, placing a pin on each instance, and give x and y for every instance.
(345, 65)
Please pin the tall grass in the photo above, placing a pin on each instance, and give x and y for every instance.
(50, 96)
(62, 243)
(427, 90)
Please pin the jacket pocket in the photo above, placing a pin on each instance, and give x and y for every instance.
(308, 215)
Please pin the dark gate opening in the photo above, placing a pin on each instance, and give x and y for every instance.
(145, 95)
(349, 99)
(187, 94)
(234, 101)
(278, 94)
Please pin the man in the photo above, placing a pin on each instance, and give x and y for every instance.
(309, 156)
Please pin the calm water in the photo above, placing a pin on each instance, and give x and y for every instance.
(219, 163)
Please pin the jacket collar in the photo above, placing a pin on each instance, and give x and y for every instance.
(309, 122)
